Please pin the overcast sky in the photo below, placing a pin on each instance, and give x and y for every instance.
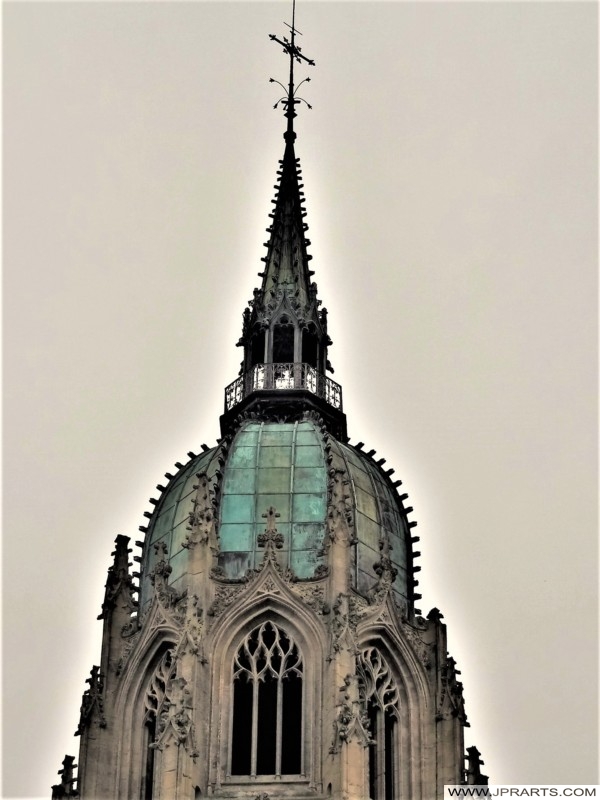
(451, 182)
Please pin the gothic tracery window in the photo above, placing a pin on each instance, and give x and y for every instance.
(156, 701)
(267, 704)
(380, 697)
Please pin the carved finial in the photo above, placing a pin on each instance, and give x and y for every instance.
(93, 698)
(160, 548)
(119, 582)
(271, 515)
(289, 100)
(159, 576)
(201, 519)
(386, 574)
(473, 774)
(66, 787)
(271, 538)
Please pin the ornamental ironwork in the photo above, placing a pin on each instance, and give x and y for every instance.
(283, 377)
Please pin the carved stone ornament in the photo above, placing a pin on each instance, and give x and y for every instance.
(271, 539)
(451, 703)
(376, 681)
(67, 786)
(119, 583)
(175, 723)
(313, 595)
(268, 587)
(224, 597)
(386, 574)
(422, 649)
(357, 609)
(190, 640)
(169, 703)
(351, 722)
(341, 630)
(202, 518)
(159, 577)
(92, 702)
(340, 515)
(126, 652)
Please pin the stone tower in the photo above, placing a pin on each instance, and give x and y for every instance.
(269, 646)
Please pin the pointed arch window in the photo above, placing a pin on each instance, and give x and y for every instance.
(257, 351)
(267, 728)
(283, 341)
(380, 697)
(156, 701)
(310, 347)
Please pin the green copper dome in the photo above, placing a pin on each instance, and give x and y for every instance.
(168, 524)
(285, 466)
(280, 465)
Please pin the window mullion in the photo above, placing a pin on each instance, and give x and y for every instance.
(278, 738)
(380, 766)
(254, 726)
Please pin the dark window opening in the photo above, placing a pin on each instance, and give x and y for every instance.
(310, 348)
(267, 705)
(283, 344)
(267, 726)
(390, 747)
(291, 744)
(157, 699)
(257, 350)
(372, 716)
(242, 726)
(379, 693)
(150, 735)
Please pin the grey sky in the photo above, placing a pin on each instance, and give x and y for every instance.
(451, 181)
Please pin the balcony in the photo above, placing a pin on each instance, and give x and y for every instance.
(284, 377)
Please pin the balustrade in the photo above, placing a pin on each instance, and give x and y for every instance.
(269, 377)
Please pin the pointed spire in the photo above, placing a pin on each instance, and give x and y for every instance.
(286, 262)
(284, 333)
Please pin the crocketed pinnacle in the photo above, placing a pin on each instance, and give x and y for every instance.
(286, 261)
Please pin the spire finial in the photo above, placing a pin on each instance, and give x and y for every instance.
(289, 100)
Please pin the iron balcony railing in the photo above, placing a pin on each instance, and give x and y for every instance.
(269, 377)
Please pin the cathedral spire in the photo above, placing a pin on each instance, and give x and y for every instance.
(284, 333)
(287, 260)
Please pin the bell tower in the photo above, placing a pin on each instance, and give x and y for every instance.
(270, 644)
